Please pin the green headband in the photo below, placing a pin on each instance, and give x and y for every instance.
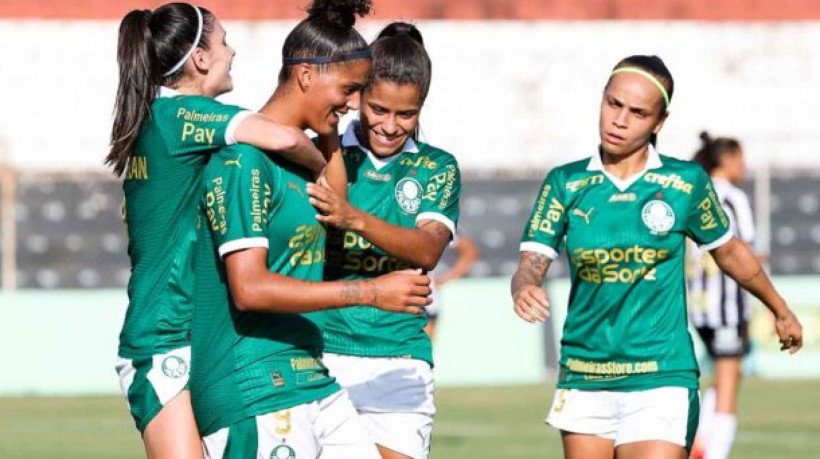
(648, 76)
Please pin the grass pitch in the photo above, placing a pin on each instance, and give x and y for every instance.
(778, 419)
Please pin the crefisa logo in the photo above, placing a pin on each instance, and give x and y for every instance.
(408, 195)
(658, 216)
(174, 367)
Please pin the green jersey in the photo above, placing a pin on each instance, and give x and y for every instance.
(160, 187)
(420, 183)
(249, 363)
(626, 325)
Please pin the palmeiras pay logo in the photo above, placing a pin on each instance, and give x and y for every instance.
(174, 367)
(408, 195)
(283, 452)
(658, 216)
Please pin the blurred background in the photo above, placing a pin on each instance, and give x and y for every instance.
(516, 90)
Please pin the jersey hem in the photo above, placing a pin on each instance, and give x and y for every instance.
(437, 217)
(233, 125)
(537, 247)
(719, 241)
(241, 244)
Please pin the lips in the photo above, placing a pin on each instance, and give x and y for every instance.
(614, 138)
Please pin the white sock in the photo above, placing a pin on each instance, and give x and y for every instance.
(721, 436)
(707, 413)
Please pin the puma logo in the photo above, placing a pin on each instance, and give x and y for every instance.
(295, 187)
(234, 162)
(582, 214)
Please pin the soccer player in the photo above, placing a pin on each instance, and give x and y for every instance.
(402, 213)
(173, 61)
(629, 378)
(467, 252)
(720, 310)
(259, 388)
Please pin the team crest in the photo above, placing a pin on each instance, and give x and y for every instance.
(658, 216)
(174, 367)
(408, 195)
(283, 452)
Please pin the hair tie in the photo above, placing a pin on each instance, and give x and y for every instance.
(193, 46)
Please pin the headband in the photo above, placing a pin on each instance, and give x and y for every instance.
(649, 77)
(193, 45)
(348, 56)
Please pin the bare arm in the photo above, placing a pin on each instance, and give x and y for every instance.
(289, 142)
(336, 172)
(468, 253)
(529, 298)
(737, 260)
(254, 288)
(421, 246)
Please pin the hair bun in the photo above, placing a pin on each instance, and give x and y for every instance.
(340, 13)
(402, 29)
(705, 137)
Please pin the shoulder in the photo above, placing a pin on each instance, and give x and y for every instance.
(683, 167)
(436, 155)
(572, 171)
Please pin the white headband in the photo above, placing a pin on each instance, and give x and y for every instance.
(193, 46)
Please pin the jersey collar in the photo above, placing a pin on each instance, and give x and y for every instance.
(349, 139)
(165, 91)
(653, 161)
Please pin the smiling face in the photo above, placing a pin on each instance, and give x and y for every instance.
(332, 93)
(389, 116)
(219, 57)
(632, 109)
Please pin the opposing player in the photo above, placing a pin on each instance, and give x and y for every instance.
(173, 62)
(628, 381)
(467, 252)
(402, 213)
(259, 388)
(719, 309)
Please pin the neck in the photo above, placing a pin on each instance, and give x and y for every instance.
(281, 108)
(191, 87)
(627, 165)
(719, 174)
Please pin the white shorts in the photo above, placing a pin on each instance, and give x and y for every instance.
(394, 398)
(328, 428)
(149, 383)
(666, 413)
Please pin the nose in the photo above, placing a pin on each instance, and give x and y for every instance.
(389, 126)
(354, 101)
(620, 120)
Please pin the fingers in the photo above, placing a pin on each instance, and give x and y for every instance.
(421, 290)
(322, 206)
(531, 305)
(319, 191)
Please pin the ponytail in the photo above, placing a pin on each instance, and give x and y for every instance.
(399, 57)
(137, 86)
(713, 149)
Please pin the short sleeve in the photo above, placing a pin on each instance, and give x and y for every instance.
(200, 124)
(547, 225)
(441, 195)
(707, 223)
(238, 191)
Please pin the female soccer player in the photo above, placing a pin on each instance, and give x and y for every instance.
(629, 378)
(259, 388)
(402, 212)
(173, 62)
(720, 310)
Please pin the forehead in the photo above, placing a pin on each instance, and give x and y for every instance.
(634, 89)
(351, 71)
(218, 30)
(390, 92)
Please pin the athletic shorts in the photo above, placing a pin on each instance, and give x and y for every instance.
(730, 341)
(394, 398)
(151, 382)
(328, 428)
(667, 414)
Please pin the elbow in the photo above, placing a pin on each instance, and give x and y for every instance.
(244, 299)
(428, 261)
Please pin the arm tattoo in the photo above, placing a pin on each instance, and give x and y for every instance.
(351, 293)
(531, 270)
(436, 228)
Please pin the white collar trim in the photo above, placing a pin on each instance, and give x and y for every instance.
(653, 161)
(349, 139)
(165, 91)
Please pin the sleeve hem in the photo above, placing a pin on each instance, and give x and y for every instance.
(718, 242)
(435, 216)
(538, 247)
(233, 125)
(241, 244)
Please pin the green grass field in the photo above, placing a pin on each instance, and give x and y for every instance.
(778, 419)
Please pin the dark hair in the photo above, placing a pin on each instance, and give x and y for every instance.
(327, 32)
(150, 44)
(655, 66)
(713, 149)
(399, 57)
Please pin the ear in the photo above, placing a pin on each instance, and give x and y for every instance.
(201, 60)
(660, 123)
(305, 75)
